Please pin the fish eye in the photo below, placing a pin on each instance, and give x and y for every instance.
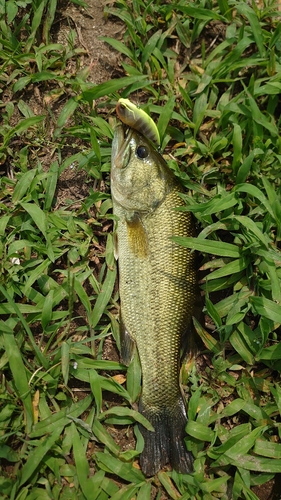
(142, 152)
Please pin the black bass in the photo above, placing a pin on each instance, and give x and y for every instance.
(158, 290)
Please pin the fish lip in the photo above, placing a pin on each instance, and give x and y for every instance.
(120, 155)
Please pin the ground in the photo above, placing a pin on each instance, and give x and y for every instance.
(91, 25)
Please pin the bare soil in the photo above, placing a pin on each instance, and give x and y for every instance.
(90, 25)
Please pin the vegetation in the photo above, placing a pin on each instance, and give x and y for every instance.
(210, 74)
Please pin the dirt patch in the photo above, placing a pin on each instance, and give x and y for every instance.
(270, 490)
(90, 25)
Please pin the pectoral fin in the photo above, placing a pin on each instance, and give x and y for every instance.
(137, 237)
(127, 344)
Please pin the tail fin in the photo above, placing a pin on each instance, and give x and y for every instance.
(166, 444)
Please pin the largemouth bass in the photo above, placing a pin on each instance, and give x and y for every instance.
(157, 285)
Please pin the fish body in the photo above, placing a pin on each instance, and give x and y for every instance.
(137, 119)
(157, 286)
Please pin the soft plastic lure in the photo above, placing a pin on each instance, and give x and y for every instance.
(137, 119)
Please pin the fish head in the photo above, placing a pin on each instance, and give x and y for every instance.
(140, 177)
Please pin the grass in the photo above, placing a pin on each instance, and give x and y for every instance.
(210, 74)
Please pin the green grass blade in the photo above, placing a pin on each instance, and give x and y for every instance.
(126, 493)
(66, 113)
(229, 269)
(47, 310)
(144, 491)
(38, 216)
(150, 46)
(80, 290)
(267, 308)
(65, 349)
(208, 340)
(133, 382)
(103, 297)
(166, 481)
(82, 465)
(259, 117)
(198, 12)
(96, 388)
(61, 418)
(37, 455)
(267, 449)
(256, 193)
(209, 246)
(15, 309)
(51, 185)
(37, 17)
(257, 464)
(240, 346)
(115, 466)
(165, 117)
(199, 431)
(104, 437)
(249, 13)
(49, 19)
(237, 146)
(121, 47)
(23, 185)
(19, 372)
(107, 88)
(127, 412)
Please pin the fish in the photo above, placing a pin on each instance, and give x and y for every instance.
(157, 289)
(136, 118)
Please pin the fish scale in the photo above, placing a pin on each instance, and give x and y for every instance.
(157, 285)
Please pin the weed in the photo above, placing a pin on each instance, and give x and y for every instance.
(209, 72)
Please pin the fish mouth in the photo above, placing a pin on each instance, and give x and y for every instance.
(121, 153)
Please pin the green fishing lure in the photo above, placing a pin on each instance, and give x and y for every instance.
(137, 119)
